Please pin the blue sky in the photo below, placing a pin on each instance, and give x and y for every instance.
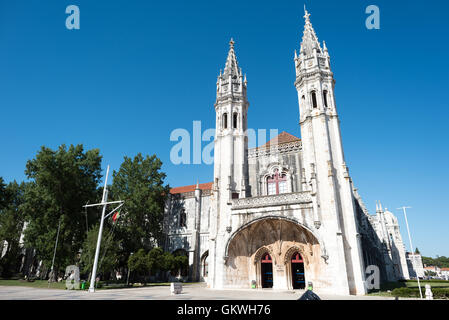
(137, 70)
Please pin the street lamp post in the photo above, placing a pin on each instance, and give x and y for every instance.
(127, 279)
(54, 255)
(411, 246)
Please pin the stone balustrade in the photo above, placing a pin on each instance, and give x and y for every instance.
(272, 200)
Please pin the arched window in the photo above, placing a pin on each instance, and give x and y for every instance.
(234, 121)
(314, 103)
(225, 121)
(325, 98)
(277, 183)
(182, 218)
(303, 101)
(205, 264)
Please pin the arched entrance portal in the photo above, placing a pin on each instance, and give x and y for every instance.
(266, 267)
(280, 239)
(297, 267)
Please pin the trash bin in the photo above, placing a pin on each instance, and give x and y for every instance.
(310, 286)
(83, 285)
(253, 284)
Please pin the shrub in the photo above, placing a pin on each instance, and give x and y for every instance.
(407, 292)
(438, 293)
(98, 286)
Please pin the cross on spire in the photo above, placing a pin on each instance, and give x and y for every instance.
(306, 14)
(309, 39)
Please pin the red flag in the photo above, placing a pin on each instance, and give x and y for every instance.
(115, 216)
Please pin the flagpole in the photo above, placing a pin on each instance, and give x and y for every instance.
(103, 203)
(411, 247)
(100, 231)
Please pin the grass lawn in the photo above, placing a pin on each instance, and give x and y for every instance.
(35, 284)
(43, 284)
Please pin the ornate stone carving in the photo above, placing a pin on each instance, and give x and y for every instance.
(280, 148)
(325, 257)
(272, 200)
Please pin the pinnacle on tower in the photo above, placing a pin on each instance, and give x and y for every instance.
(309, 39)
(231, 81)
(324, 46)
(231, 67)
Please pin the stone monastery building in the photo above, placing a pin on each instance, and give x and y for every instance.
(286, 213)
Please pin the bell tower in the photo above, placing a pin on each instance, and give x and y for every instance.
(231, 145)
(324, 161)
(230, 161)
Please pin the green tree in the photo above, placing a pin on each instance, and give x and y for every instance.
(11, 225)
(62, 181)
(2, 193)
(441, 262)
(140, 183)
(155, 261)
(417, 251)
(139, 264)
(181, 264)
(167, 262)
(108, 256)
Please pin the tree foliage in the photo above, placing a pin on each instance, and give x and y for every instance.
(138, 264)
(140, 183)
(109, 251)
(62, 181)
(155, 261)
(11, 225)
(2, 193)
(441, 262)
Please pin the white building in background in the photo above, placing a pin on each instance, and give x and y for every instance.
(387, 228)
(415, 265)
(444, 273)
(286, 213)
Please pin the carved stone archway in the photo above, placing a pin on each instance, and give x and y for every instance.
(248, 244)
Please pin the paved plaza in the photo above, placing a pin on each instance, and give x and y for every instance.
(190, 292)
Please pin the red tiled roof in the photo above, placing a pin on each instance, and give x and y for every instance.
(281, 138)
(184, 189)
(444, 269)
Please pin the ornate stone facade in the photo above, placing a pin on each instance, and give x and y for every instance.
(286, 213)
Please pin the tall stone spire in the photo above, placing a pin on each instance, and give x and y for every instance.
(309, 38)
(323, 158)
(232, 80)
(232, 67)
